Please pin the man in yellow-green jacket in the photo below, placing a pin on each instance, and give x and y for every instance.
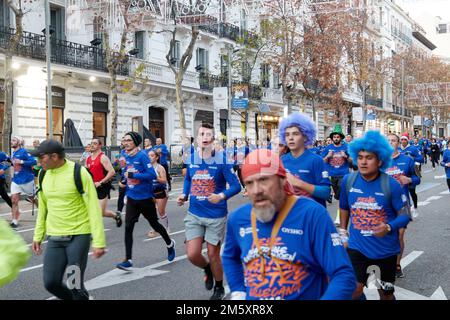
(14, 253)
(69, 218)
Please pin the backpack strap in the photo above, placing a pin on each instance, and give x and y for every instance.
(350, 181)
(386, 187)
(41, 176)
(77, 178)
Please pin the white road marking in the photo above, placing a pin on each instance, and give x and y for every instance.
(426, 186)
(438, 295)
(159, 237)
(410, 258)
(24, 230)
(432, 198)
(440, 177)
(445, 192)
(422, 204)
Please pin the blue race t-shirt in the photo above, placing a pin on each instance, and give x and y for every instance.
(205, 177)
(164, 153)
(23, 173)
(412, 152)
(368, 207)
(5, 163)
(445, 161)
(402, 165)
(337, 165)
(308, 249)
(241, 153)
(310, 168)
(140, 186)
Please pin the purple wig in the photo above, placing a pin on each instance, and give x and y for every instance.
(304, 123)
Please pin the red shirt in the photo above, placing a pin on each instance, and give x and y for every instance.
(95, 167)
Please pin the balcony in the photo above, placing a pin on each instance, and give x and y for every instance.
(163, 74)
(374, 102)
(63, 52)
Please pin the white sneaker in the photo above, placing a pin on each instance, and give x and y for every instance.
(414, 213)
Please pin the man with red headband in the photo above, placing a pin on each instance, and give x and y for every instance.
(281, 246)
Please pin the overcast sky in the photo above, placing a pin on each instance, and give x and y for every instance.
(435, 7)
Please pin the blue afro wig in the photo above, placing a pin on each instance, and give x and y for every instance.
(373, 142)
(304, 123)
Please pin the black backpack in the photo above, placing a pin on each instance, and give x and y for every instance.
(76, 176)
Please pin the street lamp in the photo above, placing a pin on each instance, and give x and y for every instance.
(49, 76)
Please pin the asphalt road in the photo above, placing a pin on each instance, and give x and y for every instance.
(427, 273)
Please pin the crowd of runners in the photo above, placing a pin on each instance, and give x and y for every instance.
(283, 244)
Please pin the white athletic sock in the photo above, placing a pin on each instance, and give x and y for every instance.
(14, 221)
(164, 221)
(172, 244)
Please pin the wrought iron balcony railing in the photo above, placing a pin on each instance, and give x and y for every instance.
(63, 52)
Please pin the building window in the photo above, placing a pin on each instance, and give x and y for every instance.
(58, 121)
(58, 105)
(175, 54)
(202, 60)
(57, 21)
(276, 80)
(4, 14)
(139, 43)
(100, 103)
(442, 28)
(265, 75)
(99, 126)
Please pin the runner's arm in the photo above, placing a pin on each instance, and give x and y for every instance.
(93, 208)
(415, 180)
(344, 207)
(29, 161)
(332, 257)
(232, 180)
(149, 174)
(399, 203)
(40, 228)
(231, 259)
(108, 167)
(187, 182)
(162, 178)
(322, 189)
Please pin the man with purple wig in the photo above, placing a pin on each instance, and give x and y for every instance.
(305, 170)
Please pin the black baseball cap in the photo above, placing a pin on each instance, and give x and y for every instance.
(48, 146)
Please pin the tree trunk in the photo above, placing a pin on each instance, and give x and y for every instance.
(7, 116)
(180, 105)
(114, 106)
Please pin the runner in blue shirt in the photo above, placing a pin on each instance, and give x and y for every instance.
(377, 209)
(413, 152)
(402, 170)
(305, 170)
(446, 164)
(205, 182)
(23, 178)
(140, 174)
(337, 163)
(242, 150)
(282, 246)
(164, 152)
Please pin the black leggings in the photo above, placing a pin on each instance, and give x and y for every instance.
(4, 193)
(412, 192)
(58, 256)
(448, 184)
(120, 200)
(434, 159)
(148, 210)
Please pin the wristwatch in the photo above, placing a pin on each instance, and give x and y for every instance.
(388, 227)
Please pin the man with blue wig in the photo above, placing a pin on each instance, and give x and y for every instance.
(377, 208)
(305, 170)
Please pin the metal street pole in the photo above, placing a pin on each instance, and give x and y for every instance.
(49, 76)
(229, 92)
(402, 98)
